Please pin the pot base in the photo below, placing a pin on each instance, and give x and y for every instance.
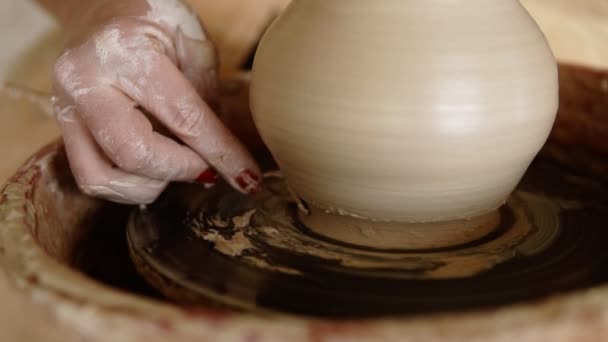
(399, 235)
(217, 246)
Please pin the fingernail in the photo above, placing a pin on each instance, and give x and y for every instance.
(249, 182)
(209, 176)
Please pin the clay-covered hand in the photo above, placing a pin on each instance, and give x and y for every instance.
(134, 95)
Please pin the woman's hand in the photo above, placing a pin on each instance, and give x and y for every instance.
(134, 69)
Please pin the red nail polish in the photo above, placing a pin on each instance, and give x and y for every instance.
(209, 176)
(249, 182)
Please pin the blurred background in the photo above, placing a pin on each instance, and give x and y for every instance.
(30, 42)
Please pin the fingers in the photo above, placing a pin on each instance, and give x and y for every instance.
(174, 101)
(126, 136)
(95, 174)
(113, 148)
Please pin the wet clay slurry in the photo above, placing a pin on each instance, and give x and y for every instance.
(199, 246)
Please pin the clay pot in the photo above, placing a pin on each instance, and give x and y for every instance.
(404, 111)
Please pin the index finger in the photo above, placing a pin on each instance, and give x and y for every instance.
(173, 100)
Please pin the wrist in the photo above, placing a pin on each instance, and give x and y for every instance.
(83, 17)
(171, 15)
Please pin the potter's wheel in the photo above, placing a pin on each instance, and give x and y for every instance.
(202, 246)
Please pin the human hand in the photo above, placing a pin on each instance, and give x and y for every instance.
(130, 65)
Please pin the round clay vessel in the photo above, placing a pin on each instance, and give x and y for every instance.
(404, 110)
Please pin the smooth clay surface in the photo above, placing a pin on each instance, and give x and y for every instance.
(404, 110)
(397, 235)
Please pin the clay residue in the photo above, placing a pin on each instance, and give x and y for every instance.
(232, 240)
(263, 264)
(256, 234)
(243, 221)
(219, 222)
(233, 246)
(238, 243)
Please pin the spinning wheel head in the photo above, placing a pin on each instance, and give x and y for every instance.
(254, 253)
